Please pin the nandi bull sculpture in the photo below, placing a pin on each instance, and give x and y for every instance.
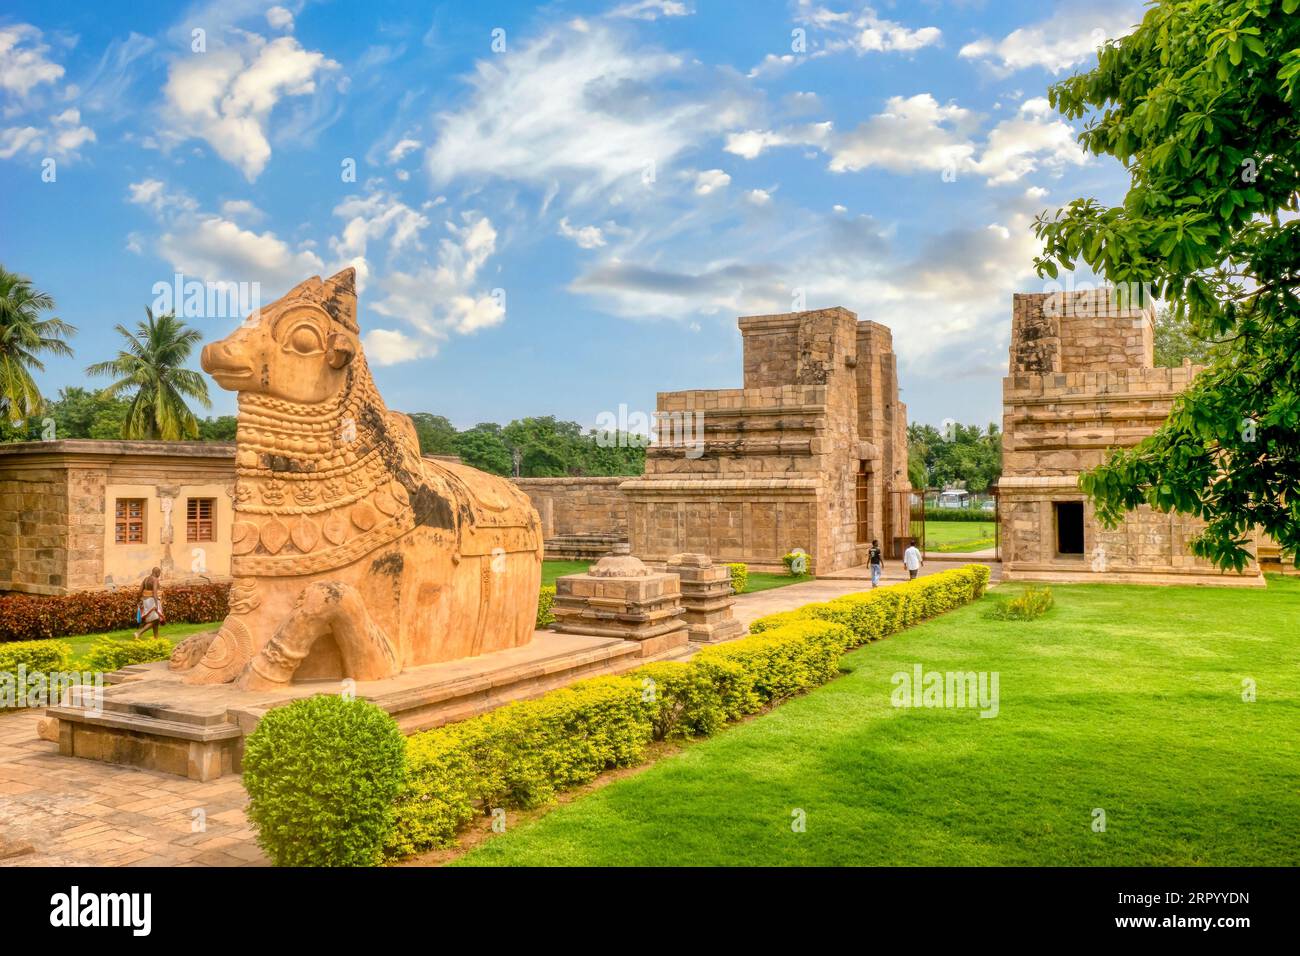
(353, 557)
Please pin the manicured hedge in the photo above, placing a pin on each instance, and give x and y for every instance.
(44, 656)
(521, 755)
(871, 615)
(518, 756)
(25, 617)
(739, 577)
(956, 514)
(110, 654)
(545, 616)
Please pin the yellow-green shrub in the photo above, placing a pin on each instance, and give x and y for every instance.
(517, 756)
(545, 600)
(781, 662)
(113, 653)
(780, 619)
(35, 657)
(871, 615)
(739, 577)
(685, 699)
(43, 656)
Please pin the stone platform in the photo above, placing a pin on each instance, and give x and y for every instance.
(150, 719)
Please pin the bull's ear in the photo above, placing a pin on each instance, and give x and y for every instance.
(340, 350)
(339, 297)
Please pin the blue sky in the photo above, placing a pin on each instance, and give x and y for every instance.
(557, 208)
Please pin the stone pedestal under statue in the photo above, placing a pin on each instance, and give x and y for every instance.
(620, 597)
(707, 598)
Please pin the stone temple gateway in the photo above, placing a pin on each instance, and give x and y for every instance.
(811, 452)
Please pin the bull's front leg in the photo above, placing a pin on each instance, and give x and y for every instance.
(324, 608)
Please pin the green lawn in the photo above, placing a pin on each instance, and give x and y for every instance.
(557, 569)
(173, 632)
(758, 580)
(958, 536)
(1125, 699)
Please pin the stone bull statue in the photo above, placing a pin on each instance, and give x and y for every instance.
(352, 555)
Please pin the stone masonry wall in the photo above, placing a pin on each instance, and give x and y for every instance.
(1082, 383)
(581, 505)
(778, 468)
(34, 530)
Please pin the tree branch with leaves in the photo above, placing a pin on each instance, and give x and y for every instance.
(1202, 105)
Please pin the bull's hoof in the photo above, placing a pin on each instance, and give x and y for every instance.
(250, 679)
(226, 656)
(190, 651)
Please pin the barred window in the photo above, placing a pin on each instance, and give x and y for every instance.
(128, 521)
(199, 514)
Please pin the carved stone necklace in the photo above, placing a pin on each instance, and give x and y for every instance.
(310, 475)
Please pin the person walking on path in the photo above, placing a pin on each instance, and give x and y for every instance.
(876, 561)
(912, 560)
(150, 603)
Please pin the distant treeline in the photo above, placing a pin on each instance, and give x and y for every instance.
(545, 446)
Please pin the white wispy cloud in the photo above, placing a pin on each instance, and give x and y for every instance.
(62, 138)
(916, 134)
(439, 298)
(213, 247)
(1067, 39)
(586, 237)
(650, 9)
(226, 96)
(577, 106)
(24, 60)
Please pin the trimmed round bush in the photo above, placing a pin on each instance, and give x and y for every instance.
(322, 775)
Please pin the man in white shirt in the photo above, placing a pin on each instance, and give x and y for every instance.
(912, 560)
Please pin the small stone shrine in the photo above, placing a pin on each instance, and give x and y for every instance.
(706, 598)
(620, 597)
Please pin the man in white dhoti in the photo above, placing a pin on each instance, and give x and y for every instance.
(150, 601)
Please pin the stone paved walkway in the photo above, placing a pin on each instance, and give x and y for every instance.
(64, 811)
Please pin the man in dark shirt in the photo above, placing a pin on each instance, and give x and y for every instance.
(876, 561)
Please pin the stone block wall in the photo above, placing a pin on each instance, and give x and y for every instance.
(56, 512)
(1086, 331)
(582, 505)
(779, 462)
(34, 530)
(1082, 382)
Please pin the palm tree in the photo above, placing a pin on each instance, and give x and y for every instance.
(23, 336)
(151, 364)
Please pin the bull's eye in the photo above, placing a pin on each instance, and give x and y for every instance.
(305, 340)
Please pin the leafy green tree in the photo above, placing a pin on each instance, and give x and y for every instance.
(151, 369)
(437, 435)
(965, 454)
(547, 447)
(24, 336)
(81, 413)
(483, 447)
(221, 428)
(1202, 105)
(1175, 340)
(612, 453)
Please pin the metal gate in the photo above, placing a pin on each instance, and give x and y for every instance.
(905, 520)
